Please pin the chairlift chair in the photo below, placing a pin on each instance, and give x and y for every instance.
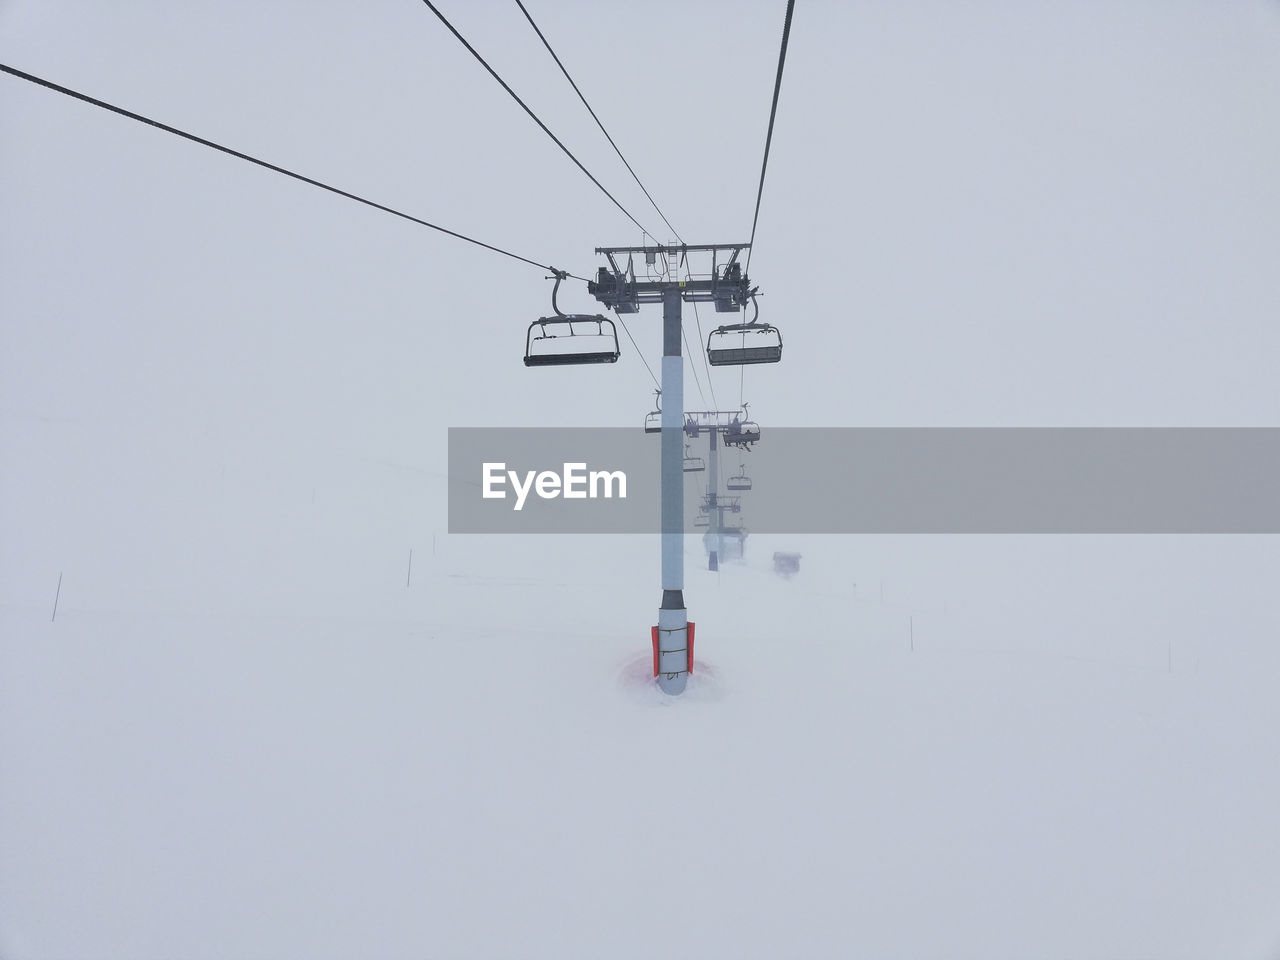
(728, 346)
(565, 343)
(693, 464)
(653, 421)
(702, 521)
(739, 481)
(575, 347)
(741, 433)
(723, 352)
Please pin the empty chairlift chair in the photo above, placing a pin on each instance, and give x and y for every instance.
(653, 420)
(693, 464)
(737, 344)
(739, 481)
(571, 339)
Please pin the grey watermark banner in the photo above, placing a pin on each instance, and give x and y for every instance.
(872, 480)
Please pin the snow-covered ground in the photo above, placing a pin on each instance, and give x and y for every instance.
(917, 747)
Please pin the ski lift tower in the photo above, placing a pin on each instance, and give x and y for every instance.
(618, 287)
(731, 428)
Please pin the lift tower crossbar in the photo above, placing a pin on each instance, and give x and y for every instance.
(725, 285)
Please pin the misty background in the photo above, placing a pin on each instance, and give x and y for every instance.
(252, 730)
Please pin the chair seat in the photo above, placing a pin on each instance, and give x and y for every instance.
(568, 359)
(738, 356)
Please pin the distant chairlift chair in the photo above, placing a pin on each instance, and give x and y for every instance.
(693, 464)
(741, 433)
(653, 420)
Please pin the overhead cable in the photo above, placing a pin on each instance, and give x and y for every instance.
(634, 176)
(639, 352)
(688, 354)
(270, 166)
(701, 341)
(545, 129)
(773, 112)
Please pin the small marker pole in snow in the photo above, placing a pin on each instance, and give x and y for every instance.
(56, 595)
(410, 573)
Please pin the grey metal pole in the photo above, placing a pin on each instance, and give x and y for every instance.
(673, 619)
(714, 517)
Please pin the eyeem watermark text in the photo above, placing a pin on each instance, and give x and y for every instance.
(574, 483)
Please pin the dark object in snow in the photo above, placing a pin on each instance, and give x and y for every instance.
(786, 564)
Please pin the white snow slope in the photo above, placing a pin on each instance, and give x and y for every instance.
(917, 747)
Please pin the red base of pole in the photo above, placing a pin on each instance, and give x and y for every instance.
(688, 648)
